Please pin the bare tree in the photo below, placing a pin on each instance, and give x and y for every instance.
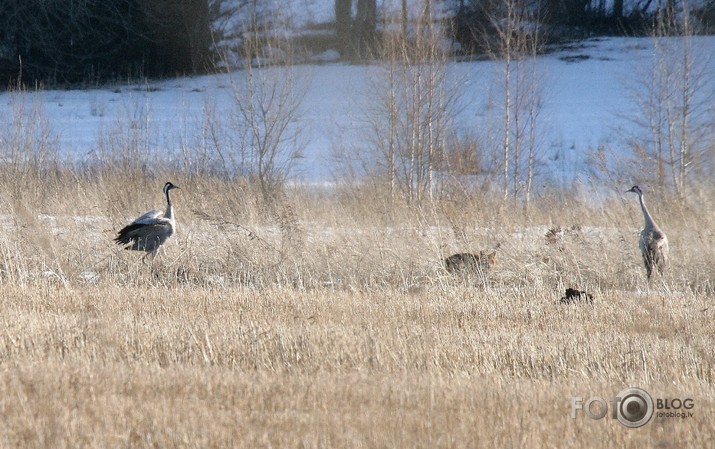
(674, 95)
(411, 116)
(515, 43)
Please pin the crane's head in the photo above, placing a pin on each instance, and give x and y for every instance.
(169, 186)
(635, 189)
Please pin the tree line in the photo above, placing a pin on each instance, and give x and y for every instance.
(84, 41)
(75, 41)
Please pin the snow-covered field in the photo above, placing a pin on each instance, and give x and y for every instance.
(586, 91)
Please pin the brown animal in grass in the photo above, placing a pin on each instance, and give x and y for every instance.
(468, 262)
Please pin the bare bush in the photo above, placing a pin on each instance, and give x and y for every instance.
(266, 133)
(28, 144)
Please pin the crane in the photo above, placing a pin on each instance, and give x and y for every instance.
(653, 241)
(151, 230)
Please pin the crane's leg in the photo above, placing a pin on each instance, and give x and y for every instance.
(151, 254)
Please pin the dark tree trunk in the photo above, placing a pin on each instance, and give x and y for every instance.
(343, 24)
(365, 24)
(617, 9)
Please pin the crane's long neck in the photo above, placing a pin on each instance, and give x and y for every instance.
(170, 208)
(646, 215)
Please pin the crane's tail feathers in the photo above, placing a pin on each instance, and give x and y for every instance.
(123, 239)
(125, 236)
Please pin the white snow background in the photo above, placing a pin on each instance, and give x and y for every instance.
(586, 91)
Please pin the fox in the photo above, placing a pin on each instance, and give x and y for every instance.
(464, 262)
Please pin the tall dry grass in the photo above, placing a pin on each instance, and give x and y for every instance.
(325, 319)
(114, 366)
(60, 225)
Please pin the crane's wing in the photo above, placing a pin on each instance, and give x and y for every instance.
(654, 247)
(663, 249)
(147, 235)
(149, 216)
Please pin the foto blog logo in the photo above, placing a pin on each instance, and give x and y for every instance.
(632, 407)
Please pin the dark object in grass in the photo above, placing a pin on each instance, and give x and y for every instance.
(573, 296)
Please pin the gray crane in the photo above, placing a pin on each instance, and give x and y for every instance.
(653, 242)
(151, 230)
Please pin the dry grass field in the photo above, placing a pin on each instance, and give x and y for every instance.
(327, 320)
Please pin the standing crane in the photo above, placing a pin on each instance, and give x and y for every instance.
(151, 230)
(653, 242)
